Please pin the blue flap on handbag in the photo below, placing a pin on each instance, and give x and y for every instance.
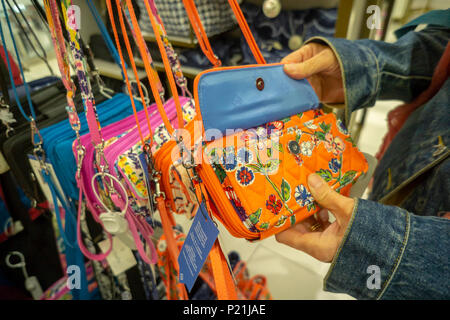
(248, 97)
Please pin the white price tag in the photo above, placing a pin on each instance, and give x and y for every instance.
(121, 257)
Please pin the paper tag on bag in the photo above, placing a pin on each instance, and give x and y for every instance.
(121, 257)
(36, 166)
(199, 241)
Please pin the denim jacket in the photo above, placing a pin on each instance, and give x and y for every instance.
(401, 251)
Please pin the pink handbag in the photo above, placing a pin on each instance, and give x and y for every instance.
(122, 139)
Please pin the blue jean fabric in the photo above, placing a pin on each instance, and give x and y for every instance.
(409, 243)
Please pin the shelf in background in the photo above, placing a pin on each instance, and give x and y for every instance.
(112, 70)
(174, 40)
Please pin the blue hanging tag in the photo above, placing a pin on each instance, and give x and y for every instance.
(199, 241)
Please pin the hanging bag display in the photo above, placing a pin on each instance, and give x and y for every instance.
(222, 276)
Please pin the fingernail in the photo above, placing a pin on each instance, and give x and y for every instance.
(314, 181)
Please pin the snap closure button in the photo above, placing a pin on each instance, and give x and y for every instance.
(293, 147)
(260, 84)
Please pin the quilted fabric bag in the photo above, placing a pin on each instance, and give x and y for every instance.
(215, 15)
(263, 137)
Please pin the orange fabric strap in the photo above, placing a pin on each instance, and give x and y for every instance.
(202, 37)
(200, 33)
(225, 287)
(148, 68)
(168, 232)
(159, 31)
(247, 32)
(127, 80)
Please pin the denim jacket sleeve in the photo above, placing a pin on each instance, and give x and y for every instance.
(389, 253)
(373, 70)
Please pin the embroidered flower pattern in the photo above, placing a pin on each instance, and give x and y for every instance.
(303, 197)
(245, 176)
(251, 162)
(310, 125)
(335, 145)
(334, 165)
(341, 127)
(315, 141)
(306, 148)
(229, 161)
(298, 159)
(274, 204)
(244, 156)
(290, 130)
(274, 127)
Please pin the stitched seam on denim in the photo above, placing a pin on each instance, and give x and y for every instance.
(347, 115)
(377, 74)
(414, 176)
(399, 257)
(405, 77)
(344, 239)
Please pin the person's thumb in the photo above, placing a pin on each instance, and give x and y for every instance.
(307, 68)
(327, 198)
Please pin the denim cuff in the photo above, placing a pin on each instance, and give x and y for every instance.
(370, 252)
(360, 72)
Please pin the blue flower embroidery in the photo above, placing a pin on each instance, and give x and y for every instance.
(229, 161)
(334, 165)
(342, 128)
(302, 196)
(244, 156)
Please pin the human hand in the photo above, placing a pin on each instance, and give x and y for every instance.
(322, 243)
(319, 65)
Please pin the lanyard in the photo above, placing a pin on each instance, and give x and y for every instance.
(72, 254)
(42, 56)
(177, 72)
(52, 14)
(149, 57)
(64, 66)
(105, 34)
(19, 63)
(158, 196)
(127, 80)
(36, 137)
(84, 83)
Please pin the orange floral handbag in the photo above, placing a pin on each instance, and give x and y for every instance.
(256, 177)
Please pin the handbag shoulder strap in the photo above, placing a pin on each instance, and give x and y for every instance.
(202, 37)
(200, 33)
